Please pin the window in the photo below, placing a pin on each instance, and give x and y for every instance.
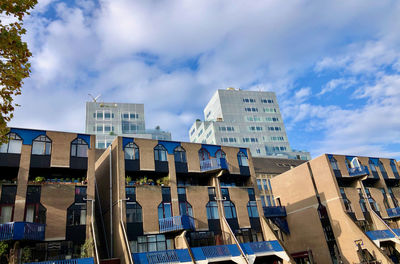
(251, 109)
(131, 151)
(262, 200)
(252, 209)
(242, 158)
(274, 128)
(13, 145)
(6, 213)
(381, 167)
(79, 148)
(203, 154)
(267, 101)
(249, 100)
(76, 215)
(41, 146)
(192, 132)
(212, 210)
(180, 154)
(394, 167)
(151, 243)
(164, 210)
(130, 116)
(372, 166)
(133, 212)
(229, 209)
(99, 115)
(255, 128)
(259, 184)
(35, 213)
(185, 208)
(220, 154)
(160, 153)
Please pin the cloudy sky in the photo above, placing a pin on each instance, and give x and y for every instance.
(335, 65)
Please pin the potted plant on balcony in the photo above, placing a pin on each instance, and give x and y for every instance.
(39, 179)
(128, 180)
(150, 182)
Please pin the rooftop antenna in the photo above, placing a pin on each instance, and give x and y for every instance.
(95, 98)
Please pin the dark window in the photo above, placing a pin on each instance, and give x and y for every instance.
(372, 166)
(164, 210)
(229, 209)
(152, 243)
(133, 212)
(76, 215)
(381, 167)
(160, 153)
(79, 148)
(35, 213)
(202, 239)
(180, 154)
(131, 151)
(130, 193)
(212, 210)
(41, 146)
(252, 196)
(13, 145)
(80, 194)
(242, 158)
(252, 209)
(394, 167)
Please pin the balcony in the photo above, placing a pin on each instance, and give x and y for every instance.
(215, 253)
(382, 234)
(176, 223)
(274, 211)
(213, 164)
(263, 248)
(393, 212)
(358, 171)
(167, 256)
(22, 231)
(67, 261)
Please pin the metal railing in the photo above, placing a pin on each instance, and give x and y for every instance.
(165, 256)
(358, 171)
(213, 164)
(176, 223)
(216, 251)
(263, 246)
(22, 231)
(66, 261)
(393, 212)
(274, 211)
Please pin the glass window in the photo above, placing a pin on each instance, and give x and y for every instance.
(79, 148)
(185, 208)
(164, 210)
(13, 145)
(180, 154)
(41, 146)
(269, 200)
(133, 212)
(334, 164)
(76, 215)
(131, 151)
(393, 166)
(252, 209)
(160, 153)
(203, 154)
(262, 200)
(372, 166)
(99, 115)
(381, 167)
(229, 209)
(264, 181)
(259, 184)
(242, 158)
(220, 154)
(6, 213)
(212, 210)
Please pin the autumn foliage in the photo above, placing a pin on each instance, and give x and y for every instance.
(14, 56)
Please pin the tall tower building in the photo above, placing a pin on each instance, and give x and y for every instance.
(108, 120)
(248, 119)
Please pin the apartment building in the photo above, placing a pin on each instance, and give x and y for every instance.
(249, 119)
(341, 209)
(46, 184)
(108, 120)
(176, 202)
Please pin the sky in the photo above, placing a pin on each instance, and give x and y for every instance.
(334, 65)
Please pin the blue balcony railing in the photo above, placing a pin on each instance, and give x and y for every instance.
(22, 231)
(213, 164)
(274, 211)
(358, 171)
(176, 223)
(67, 261)
(215, 252)
(393, 212)
(167, 256)
(252, 248)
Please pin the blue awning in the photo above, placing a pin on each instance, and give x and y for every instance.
(28, 135)
(169, 145)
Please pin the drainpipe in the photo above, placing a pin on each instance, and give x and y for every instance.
(111, 206)
(93, 232)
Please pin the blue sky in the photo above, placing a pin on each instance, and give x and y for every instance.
(335, 65)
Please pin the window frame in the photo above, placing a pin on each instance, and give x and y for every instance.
(75, 145)
(180, 154)
(160, 153)
(12, 138)
(242, 159)
(47, 145)
(135, 155)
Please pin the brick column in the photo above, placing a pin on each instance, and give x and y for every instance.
(173, 184)
(23, 175)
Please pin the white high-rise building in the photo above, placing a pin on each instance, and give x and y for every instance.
(108, 120)
(245, 118)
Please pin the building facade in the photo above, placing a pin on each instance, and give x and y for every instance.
(108, 120)
(46, 179)
(341, 209)
(183, 203)
(245, 118)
